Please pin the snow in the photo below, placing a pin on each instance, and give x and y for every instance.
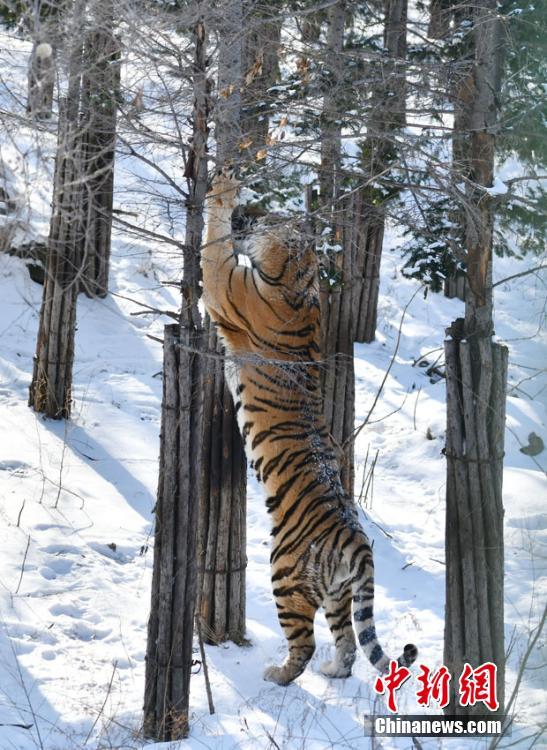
(76, 502)
(498, 188)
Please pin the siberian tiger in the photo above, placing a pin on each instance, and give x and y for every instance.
(268, 318)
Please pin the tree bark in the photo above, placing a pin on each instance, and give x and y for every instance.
(337, 336)
(175, 574)
(100, 92)
(222, 529)
(387, 116)
(230, 79)
(260, 68)
(41, 80)
(337, 375)
(174, 581)
(222, 534)
(476, 393)
(332, 112)
(463, 94)
(51, 386)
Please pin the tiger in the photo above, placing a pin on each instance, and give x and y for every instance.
(267, 315)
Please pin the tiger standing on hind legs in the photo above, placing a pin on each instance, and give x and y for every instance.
(268, 317)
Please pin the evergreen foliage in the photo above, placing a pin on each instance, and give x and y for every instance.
(433, 238)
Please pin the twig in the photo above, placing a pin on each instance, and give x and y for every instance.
(518, 275)
(353, 437)
(23, 565)
(61, 467)
(170, 313)
(415, 407)
(21, 512)
(522, 667)
(205, 668)
(154, 311)
(19, 726)
(108, 690)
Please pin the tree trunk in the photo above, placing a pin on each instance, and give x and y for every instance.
(260, 69)
(174, 582)
(463, 94)
(337, 375)
(223, 492)
(51, 387)
(333, 108)
(41, 80)
(368, 256)
(230, 79)
(100, 92)
(337, 336)
(476, 393)
(387, 116)
(175, 574)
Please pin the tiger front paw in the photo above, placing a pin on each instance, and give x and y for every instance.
(224, 189)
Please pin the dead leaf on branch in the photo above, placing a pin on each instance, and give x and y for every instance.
(228, 91)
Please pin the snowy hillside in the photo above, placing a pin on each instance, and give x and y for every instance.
(76, 503)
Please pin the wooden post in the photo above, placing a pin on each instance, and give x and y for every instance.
(222, 530)
(100, 90)
(51, 385)
(476, 383)
(174, 584)
(476, 388)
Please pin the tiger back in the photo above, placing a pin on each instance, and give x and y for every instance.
(268, 317)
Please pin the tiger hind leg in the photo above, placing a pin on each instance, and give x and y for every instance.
(338, 614)
(298, 629)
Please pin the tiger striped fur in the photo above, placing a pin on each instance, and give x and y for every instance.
(268, 318)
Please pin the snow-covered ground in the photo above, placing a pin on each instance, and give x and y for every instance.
(76, 503)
